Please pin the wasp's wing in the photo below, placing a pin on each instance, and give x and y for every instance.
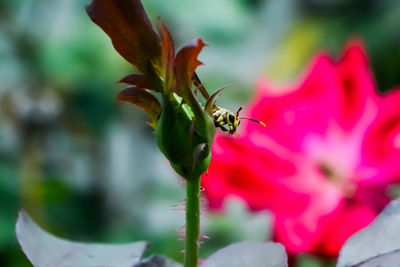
(211, 101)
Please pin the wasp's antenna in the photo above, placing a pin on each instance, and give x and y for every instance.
(238, 111)
(247, 118)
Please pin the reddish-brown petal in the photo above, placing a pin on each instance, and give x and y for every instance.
(167, 57)
(143, 99)
(186, 62)
(137, 80)
(129, 28)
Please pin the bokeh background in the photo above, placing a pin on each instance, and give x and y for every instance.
(87, 168)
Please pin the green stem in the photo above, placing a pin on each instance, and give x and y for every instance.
(192, 221)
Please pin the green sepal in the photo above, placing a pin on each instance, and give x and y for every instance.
(179, 140)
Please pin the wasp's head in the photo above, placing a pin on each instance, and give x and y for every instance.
(235, 119)
(229, 121)
(233, 122)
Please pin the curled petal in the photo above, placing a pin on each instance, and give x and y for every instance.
(167, 57)
(143, 99)
(137, 80)
(186, 62)
(129, 28)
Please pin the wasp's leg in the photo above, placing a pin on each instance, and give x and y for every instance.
(223, 128)
(221, 120)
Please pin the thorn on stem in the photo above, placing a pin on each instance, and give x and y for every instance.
(182, 233)
(204, 236)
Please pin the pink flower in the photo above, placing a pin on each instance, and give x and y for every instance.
(324, 162)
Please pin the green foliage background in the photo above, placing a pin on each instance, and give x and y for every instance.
(88, 169)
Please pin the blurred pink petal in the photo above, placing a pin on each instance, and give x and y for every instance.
(355, 216)
(381, 148)
(324, 162)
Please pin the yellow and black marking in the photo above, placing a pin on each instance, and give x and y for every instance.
(224, 119)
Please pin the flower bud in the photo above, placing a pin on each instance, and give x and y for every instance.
(184, 129)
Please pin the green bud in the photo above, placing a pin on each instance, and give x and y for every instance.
(180, 141)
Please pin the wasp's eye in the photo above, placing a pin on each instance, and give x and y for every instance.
(231, 118)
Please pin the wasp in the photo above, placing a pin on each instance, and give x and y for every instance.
(224, 119)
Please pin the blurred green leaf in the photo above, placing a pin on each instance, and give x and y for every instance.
(44, 249)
